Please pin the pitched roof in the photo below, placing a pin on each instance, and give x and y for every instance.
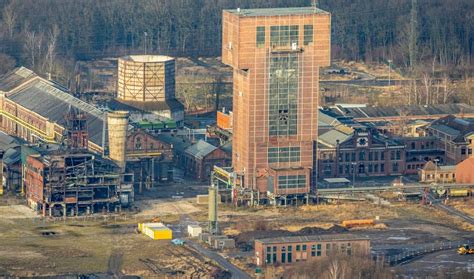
(14, 78)
(393, 111)
(455, 127)
(200, 149)
(468, 161)
(52, 102)
(179, 143)
(331, 137)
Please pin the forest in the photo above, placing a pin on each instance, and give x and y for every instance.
(50, 35)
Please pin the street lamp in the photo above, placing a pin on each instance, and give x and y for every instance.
(353, 174)
(389, 68)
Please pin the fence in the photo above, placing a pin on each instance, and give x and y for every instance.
(414, 252)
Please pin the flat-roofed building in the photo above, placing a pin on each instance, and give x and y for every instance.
(275, 55)
(288, 250)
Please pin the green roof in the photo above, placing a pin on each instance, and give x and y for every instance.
(278, 11)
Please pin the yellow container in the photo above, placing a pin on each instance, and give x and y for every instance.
(459, 193)
(159, 233)
(155, 231)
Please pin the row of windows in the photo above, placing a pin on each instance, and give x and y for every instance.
(348, 168)
(283, 154)
(291, 181)
(316, 251)
(284, 36)
(351, 156)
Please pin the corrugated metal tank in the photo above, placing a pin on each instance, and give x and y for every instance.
(118, 124)
(146, 78)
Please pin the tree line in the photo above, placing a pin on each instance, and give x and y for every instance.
(46, 34)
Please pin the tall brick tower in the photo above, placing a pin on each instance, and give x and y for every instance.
(275, 55)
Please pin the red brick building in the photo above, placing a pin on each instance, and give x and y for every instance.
(275, 55)
(148, 158)
(289, 250)
(200, 158)
(465, 171)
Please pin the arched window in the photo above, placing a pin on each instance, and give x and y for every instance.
(138, 143)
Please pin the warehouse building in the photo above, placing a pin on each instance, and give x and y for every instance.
(289, 250)
(35, 109)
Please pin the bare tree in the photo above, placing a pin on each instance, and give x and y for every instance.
(9, 18)
(448, 91)
(51, 49)
(335, 270)
(427, 83)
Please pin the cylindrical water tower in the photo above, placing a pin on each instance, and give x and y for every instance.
(118, 126)
(146, 78)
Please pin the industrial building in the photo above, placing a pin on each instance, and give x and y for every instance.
(70, 183)
(275, 55)
(147, 83)
(349, 149)
(455, 136)
(293, 249)
(432, 172)
(69, 180)
(36, 110)
(465, 171)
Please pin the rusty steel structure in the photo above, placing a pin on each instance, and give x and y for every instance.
(73, 182)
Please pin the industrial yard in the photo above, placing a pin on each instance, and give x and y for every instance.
(263, 152)
(108, 245)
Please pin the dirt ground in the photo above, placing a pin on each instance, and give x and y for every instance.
(31, 246)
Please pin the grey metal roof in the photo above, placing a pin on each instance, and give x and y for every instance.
(7, 141)
(227, 147)
(331, 137)
(14, 78)
(50, 101)
(278, 11)
(179, 143)
(409, 110)
(11, 156)
(200, 149)
(311, 238)
(445, 129)
(327, 120)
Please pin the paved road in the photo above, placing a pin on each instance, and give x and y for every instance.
(235, 271)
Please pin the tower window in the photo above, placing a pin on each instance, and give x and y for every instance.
(308, 34)
(260, 36)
